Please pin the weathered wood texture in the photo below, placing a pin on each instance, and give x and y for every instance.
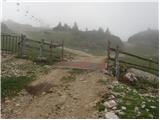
(20, 43)
(129, 54)
(117, 62)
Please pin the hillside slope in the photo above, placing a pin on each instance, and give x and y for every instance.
(144, 43)
(94, 41)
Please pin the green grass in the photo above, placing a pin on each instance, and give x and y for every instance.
(77, 71)
(100, 107)
(103, 81)
(148, 107)
(72, 75)
(10, 86)
(143, 86)
(67, 79)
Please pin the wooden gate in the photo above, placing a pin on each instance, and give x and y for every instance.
(9, 43)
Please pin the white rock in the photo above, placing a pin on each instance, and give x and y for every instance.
(143, 106)
(151, 116)
(114, 108)
(147, 110)
(105, 110)
(152, 106)
(130, 77)
(121, 113)
(17, 105)
(123, 108)
(139, 113)
(110, 104)
(115, 82)
(136, 109)
(43, 93)
(7, 101)
(141, 75)
(111, 97)
(111, 115)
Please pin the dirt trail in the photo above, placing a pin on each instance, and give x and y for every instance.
(62, 93)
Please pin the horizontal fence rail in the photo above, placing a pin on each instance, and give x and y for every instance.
(129, 54)
(20, 44)
(117, 62)
(121, 61)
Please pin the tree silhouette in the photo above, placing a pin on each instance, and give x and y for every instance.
(75, 27)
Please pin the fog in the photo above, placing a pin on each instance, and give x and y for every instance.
(123, 19)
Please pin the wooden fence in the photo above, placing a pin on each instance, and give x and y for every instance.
(19, 44)
(118, 62)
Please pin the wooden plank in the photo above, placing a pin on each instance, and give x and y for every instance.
(46, 43)
(121, 61)
(129, 54)
(117, 63)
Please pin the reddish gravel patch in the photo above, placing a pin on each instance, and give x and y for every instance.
(81, 65)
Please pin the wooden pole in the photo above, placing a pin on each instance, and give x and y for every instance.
(117, 67)
(108, 55)
(23, 46)
(41, 49)
(20, 46)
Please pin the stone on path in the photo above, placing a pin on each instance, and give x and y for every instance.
(110, 104)
(111, 115)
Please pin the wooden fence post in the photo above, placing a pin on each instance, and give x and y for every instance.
(108, 55)
(62, 54)
(117, 67)
(41, 48)
(22, 46)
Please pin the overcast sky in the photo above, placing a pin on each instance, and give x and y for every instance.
(123, 19)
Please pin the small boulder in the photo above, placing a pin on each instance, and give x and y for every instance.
(110, 104)
(123, 108)
(130, 78)
(111, 115)
(141, 75)
(111, 97)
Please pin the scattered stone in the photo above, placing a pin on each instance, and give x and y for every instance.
(110, 86)
(114, 108)
(153, 107)
(138, 113)
(43, 93)
(136, 109)
(120, 112)
(110, 104)
(151, 116)
(143, 106)
(111, 97)
(111, 115)
(105, 110)
(47, 66)
(123, 108)
(115, 82)
(7, 101)
(17, 105)
(130, 78)
(141, 75)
